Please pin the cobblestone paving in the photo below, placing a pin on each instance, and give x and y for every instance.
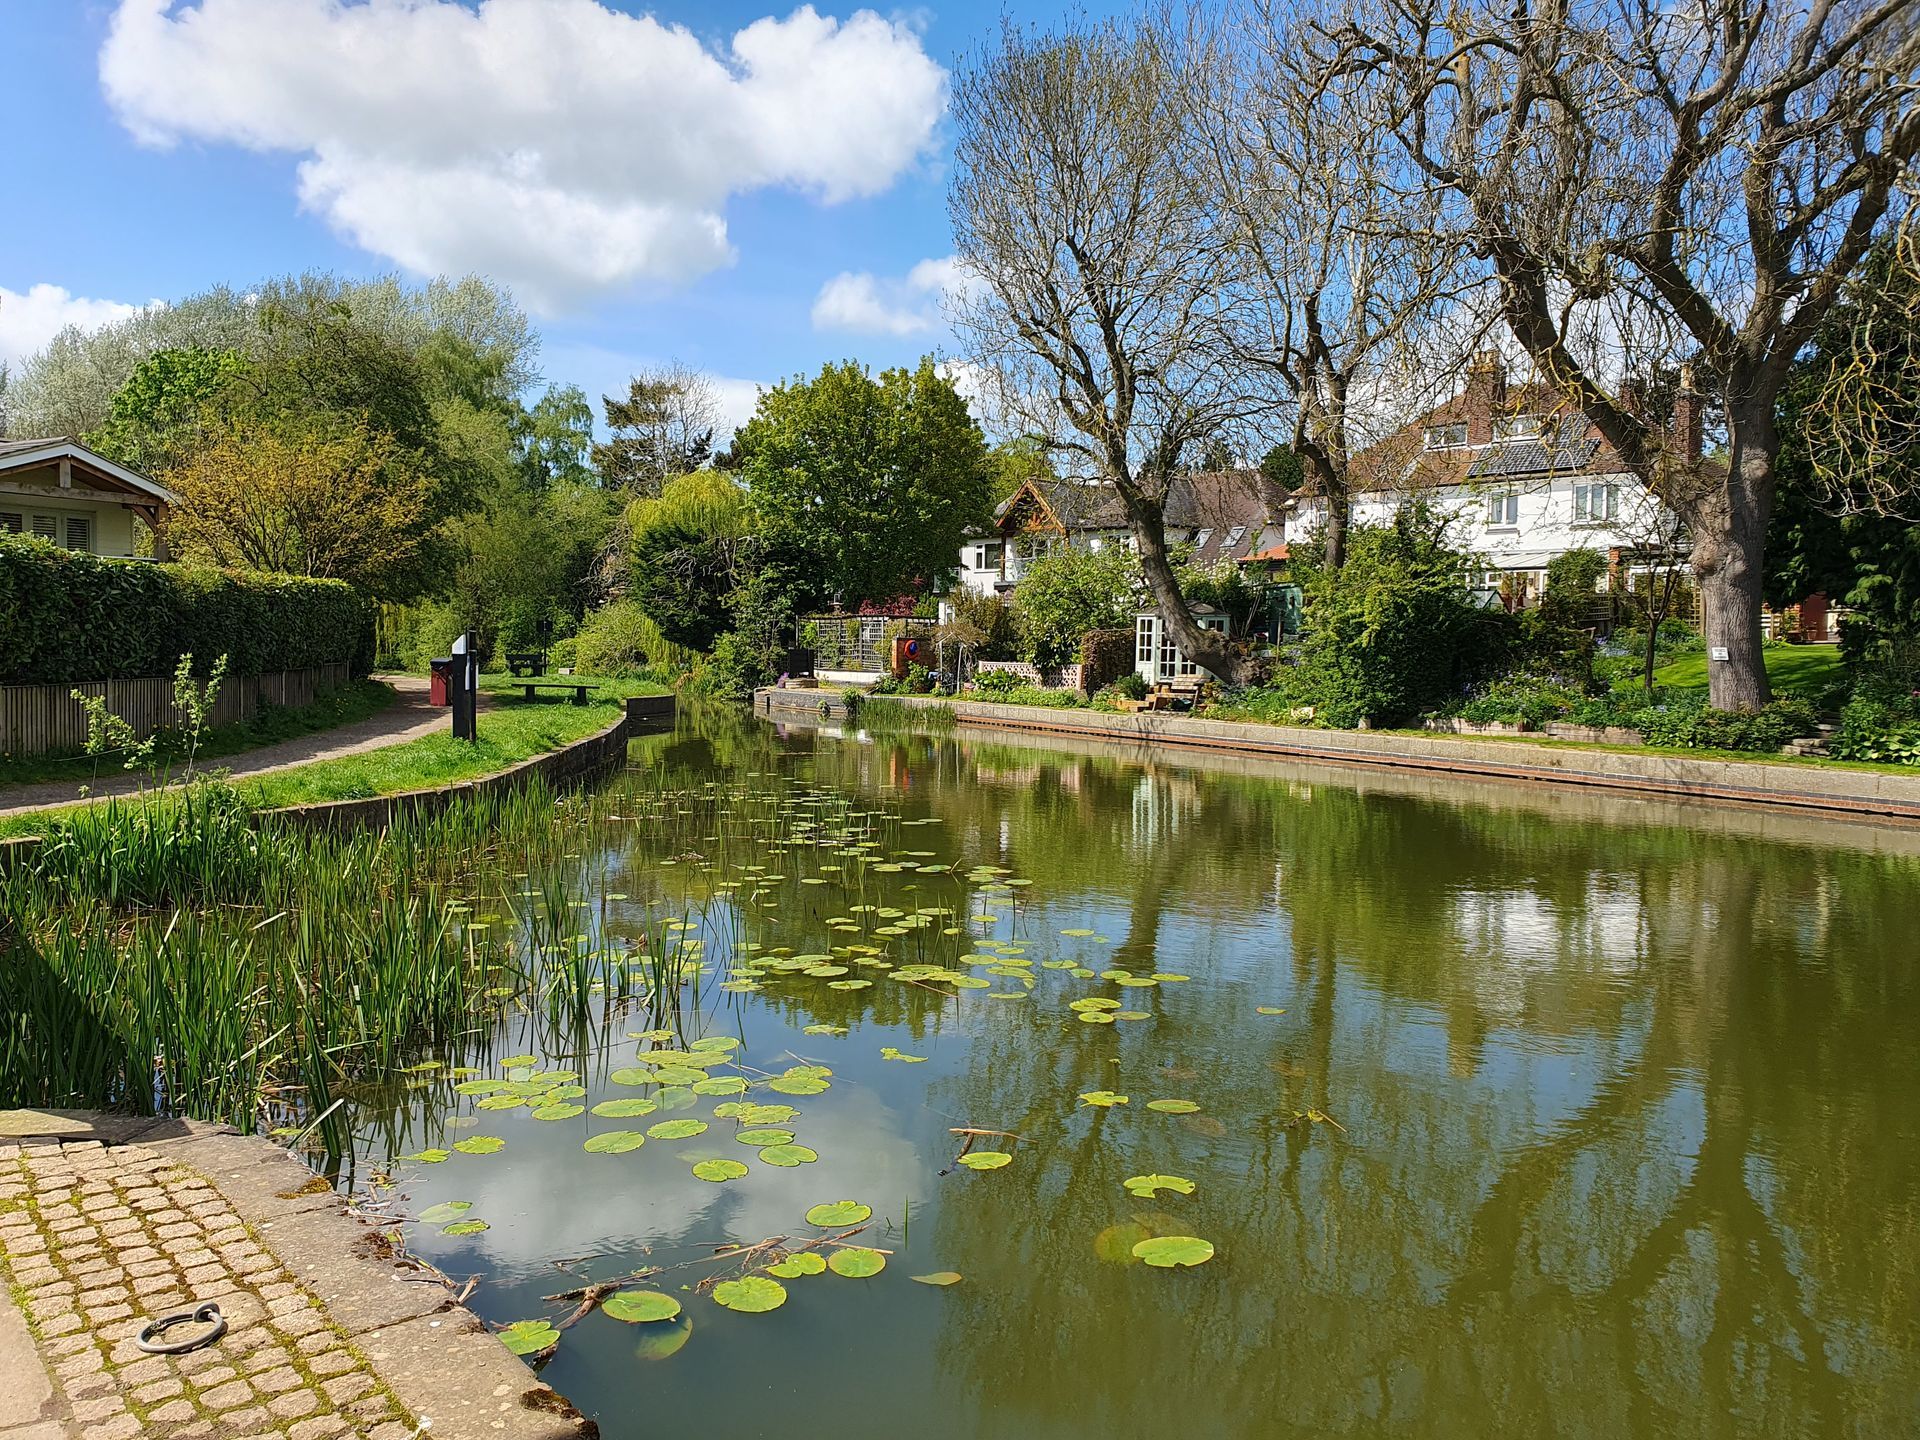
(98, 1241)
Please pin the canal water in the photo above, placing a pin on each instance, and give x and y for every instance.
(1504, 1112)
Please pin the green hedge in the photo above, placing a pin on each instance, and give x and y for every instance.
(67, 616)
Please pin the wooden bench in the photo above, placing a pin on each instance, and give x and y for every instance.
(580, 688)
(526, 662)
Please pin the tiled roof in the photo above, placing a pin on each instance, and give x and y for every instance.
(1569, 448)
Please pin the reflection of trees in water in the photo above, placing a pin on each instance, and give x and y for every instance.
(1661, 1164)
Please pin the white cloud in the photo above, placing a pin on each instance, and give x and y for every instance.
(29, 321)
(558, 145)
(871, 305)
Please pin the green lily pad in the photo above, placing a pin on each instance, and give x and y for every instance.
(797, 1085)
(715, 1042)
(514, 1061)
(428, 1157)
(1077, 933)
(465, 1227)
(625, 1109)
(632, 1075)
(614, 1142)
(824, 1030)
(795, 1266)
(719, 1171)
(480, 1145)
(1145, 1187)
(675, 1129)
(1268, 1010)
(764, 1137)
(447, 1210)
(1173, 1107)
(752, 1294)
(938, 1277)
(479, 1087)
(1095, 1017)
(787, 1156)
(1164, 1252)
(558, 1112)
(889, 1053)
(840, 1212)
(720, 1085)
(1105, 1099)
(985, 1159)
(528, 1337)
(766, 1114)
(856, 1262)
(676, 1097)
(501, 1102)
(641, 1307)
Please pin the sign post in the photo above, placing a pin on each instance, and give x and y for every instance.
(464, 688)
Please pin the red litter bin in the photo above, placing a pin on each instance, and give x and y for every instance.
(439, 676)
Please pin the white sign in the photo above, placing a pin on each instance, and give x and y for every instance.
(1718, 652)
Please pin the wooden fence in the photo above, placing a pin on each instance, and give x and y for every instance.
(47, 720)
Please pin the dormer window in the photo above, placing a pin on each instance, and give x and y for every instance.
(1446, 437)
(1234, 537)
(1200, 539)
(1518, 427)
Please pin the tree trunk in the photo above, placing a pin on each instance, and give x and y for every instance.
(1339, 513)
(1729, 537)
(1206, 648)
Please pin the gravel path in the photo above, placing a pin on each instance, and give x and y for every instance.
(408, 718)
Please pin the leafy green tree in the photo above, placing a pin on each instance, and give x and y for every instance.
(159, 416)
(1070, 592)
(556, 439)
(1016, 462)
(871, 483)
(685, 554)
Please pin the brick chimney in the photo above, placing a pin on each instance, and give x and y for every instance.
(1486, 395)
(1688, 420)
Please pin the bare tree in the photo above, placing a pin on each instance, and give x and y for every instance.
(663, 428)
(1338, 288)
(1103, 271)
(1649, 183)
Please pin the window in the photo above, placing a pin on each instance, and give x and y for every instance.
(987, 557)
(1177, 660)
(1503, 509)
(12, 522)
(79, 534)
(45, 528)
(1029, 548)
(1595, 504)
(1200, 539)
(1234, 537)
(1446, 437)
(1517, 427)
(1143, 642)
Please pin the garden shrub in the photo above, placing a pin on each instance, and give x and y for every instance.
(997, 682)
(66, 615)
(986, 623)
(621, 639)
(1069, 593)
(1686, 721)
(1881, 720)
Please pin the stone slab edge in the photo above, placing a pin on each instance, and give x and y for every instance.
(1850, 793)
(437, 1357)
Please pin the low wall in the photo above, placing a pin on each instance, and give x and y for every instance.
(47, 720)
(1065, 677)
(800, 704)
(1853, 793)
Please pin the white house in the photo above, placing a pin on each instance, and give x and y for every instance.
(61, 491)
(1524, 476)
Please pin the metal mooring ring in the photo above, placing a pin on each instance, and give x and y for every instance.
(208, 1314)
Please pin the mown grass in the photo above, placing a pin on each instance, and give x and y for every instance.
(1803, 669)
(511, 730)
(348, 704)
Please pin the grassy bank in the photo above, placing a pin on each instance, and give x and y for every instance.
(350, 703)
(1802, 669)
(511, 730)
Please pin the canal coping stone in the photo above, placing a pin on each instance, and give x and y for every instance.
(436, 1356)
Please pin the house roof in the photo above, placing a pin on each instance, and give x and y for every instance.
(32, 454)
(1222, 514)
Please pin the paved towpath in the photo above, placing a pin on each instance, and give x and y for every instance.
(409, 718)
(331, 1336)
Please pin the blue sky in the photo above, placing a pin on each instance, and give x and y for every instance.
(160, 146)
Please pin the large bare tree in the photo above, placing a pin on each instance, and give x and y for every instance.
(1650, 183)
(1339, 290)
(663, 428)
(1104, 273)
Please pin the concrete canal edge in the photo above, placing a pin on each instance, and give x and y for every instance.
(332, 1331)
(573, 764)
(1856, 794)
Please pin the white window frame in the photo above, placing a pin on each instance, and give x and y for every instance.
(1503, 503)
(1144, 643)
(1445, 437)
(1518, 427)
(1586, 512)
(85, 522)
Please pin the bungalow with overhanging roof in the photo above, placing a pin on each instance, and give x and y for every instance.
(59, 490)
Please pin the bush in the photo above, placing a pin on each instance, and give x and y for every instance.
(985, 623)
(1106, 658)
(1881, 721)
(997, 682)
(1070, 593)
(1686, 721)
(1394, 633)
(66, 615)
(1533, 700)
(620, 640)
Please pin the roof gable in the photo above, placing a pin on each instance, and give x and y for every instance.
(16, 455)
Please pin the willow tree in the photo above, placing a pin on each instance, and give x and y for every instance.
(1103, 272)
(1650, 184)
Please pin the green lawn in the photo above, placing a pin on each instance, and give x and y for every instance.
(511, 730)
(1804, 669)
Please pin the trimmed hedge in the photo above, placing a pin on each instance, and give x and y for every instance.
(68, 616)
(1105, 655)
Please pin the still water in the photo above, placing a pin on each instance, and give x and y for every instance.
(1517, 1113)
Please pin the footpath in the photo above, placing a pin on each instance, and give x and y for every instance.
(108, 1222)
